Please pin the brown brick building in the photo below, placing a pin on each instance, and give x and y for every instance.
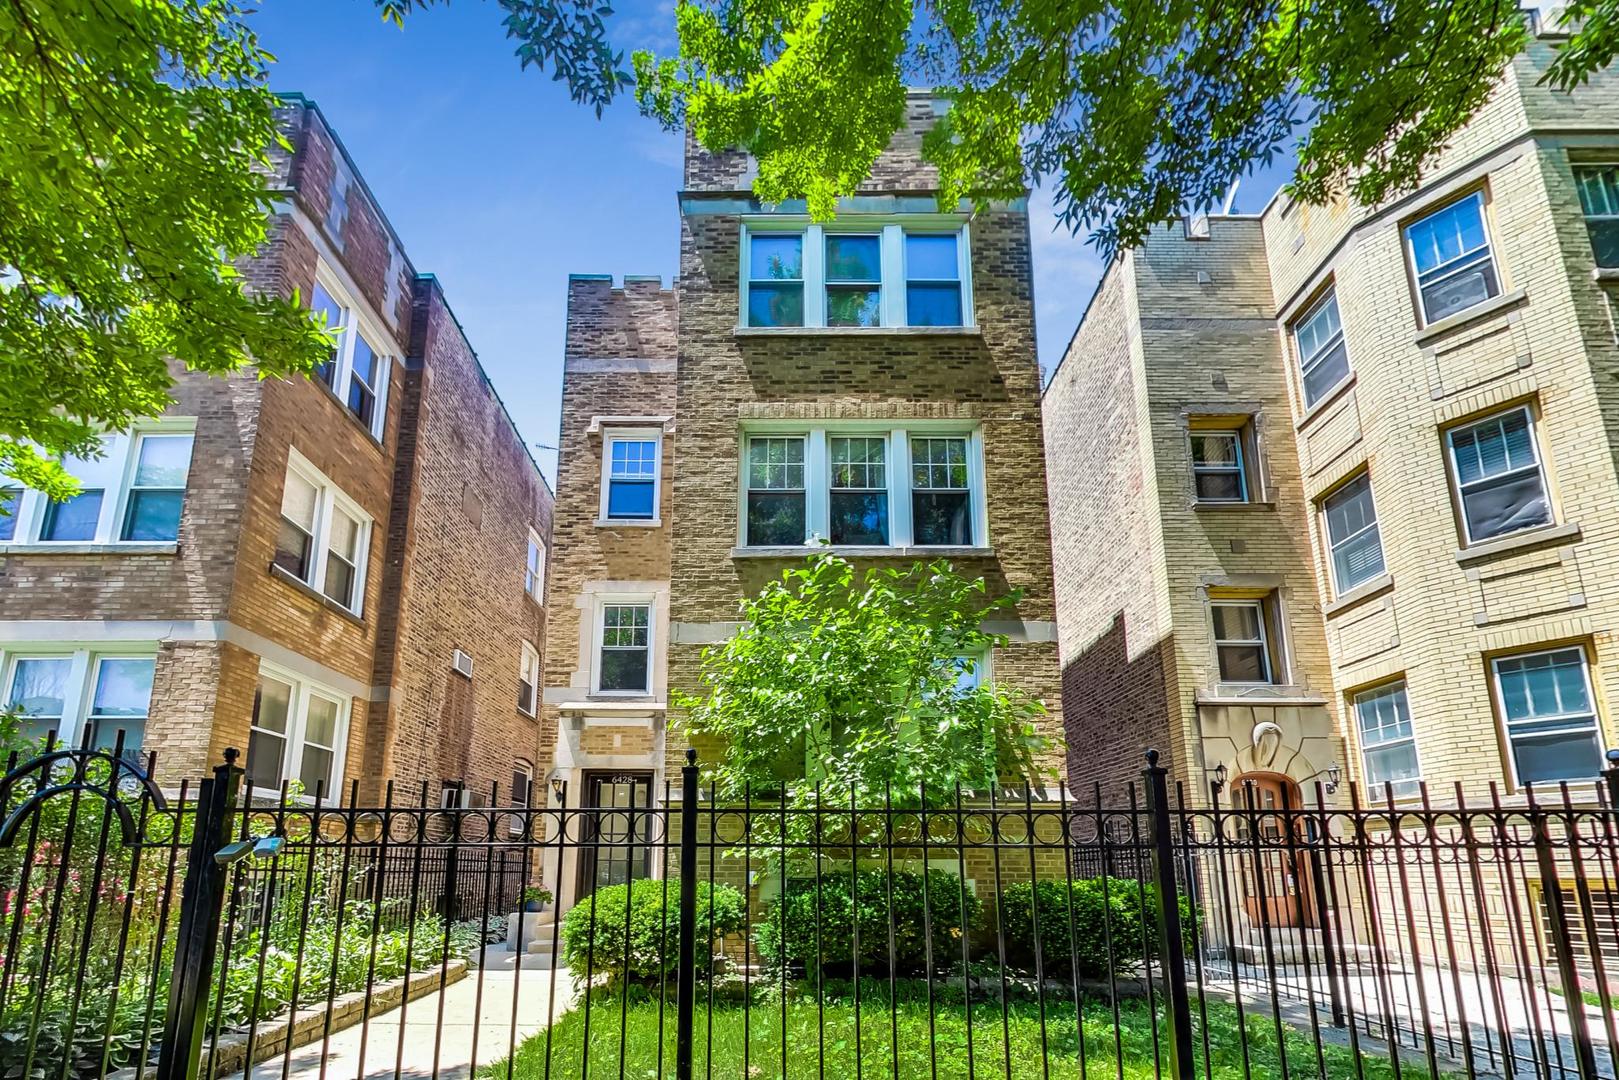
(1343, 478)
(869, 381)
(342, 576)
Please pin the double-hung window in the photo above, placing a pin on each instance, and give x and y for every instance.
(522, 789)
(1218, 474)
(1599, 199)
(298, 732)
(862, 272)
(78, 693)
(1243, 641)
(528, 679)
(132, 493)
(1352, 534)
(324, 536)
(630, 476)
(1323, 358)
(357, 369)
(776, 512)
(1497, 471)
(863, 485)
(1550, 721)
(624, 655)
(1388, 749)
(1451, 256)
(534, 568)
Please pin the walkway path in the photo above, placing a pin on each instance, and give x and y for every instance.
(478, 1007)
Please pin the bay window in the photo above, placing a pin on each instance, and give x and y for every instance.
(298, 732)
(133, 493)
(357, 369)
(857, 273)
(323, 537)
(862, 484)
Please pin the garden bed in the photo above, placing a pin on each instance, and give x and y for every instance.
(949, 1041)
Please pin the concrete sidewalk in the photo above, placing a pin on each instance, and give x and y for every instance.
(479, 1007)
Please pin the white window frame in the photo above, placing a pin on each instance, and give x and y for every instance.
(610, 435)
(1465, 261)
(1307, 364)
(528, 664)
(343, 368)
(534, 556)
(1338, 587)
(891, 232)
(1240, 467)
(303, 688)
(327, 497)
(112, 475)
(1403, 789)
(83, 670)
(1263, 641)
(818, 477)
(598, 621)
(1505, 724)
(1457, 487)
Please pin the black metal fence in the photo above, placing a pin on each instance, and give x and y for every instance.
(1237, 932)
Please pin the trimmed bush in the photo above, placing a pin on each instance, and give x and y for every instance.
(593, 931)
(833, 946)
(1109, 916)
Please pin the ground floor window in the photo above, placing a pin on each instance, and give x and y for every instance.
(1546, 707)
(297, 734)
(64, 693)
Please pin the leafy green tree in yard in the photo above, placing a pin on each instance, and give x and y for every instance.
(1133, 111)
(854, 681)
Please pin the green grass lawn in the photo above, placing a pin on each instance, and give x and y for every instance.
(1110, 1050)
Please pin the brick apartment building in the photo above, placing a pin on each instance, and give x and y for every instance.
(342, 576)
(1339, 484)
(871, 381)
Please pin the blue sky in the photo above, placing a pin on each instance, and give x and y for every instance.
(501, 186)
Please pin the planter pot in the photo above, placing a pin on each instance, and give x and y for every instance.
(534, 906)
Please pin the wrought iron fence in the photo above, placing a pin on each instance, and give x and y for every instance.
(1239, 932)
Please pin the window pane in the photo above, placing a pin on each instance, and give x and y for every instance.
(339, 584)
(634, 458)
(1242, 663)
(298, 501)
(1447, 235)
(931, 257)
(933, 305)
(629, 499)
(1599, 189)
(1349, 510)
(625, 625)
(363, 383)
(104, 732)
(1236, 622)
(776, 464)
(775, 517)
(1318, 330)
(39, 687)
(265, 754)
(775, 305)
(775, 256)
(1216, 450)
(153, 515)
(316, 771)
(164, 461)
(853, 258)
(853, 306)
(624, 669)
(859, 517)
(1497, 445)
(939, 463)
(323, 303)
(1545, 684)
(859, 462)
(74, 519)
(1505, 506)
(272, 705)
(345, 536)
(1395, 764)
(1329, 370)
(1357, 547)
(939, 517)
(1358, 560)
(123, 687)
(321, 725)
(1219, 486)
(10, 504)
(1545, 759)
(1454, 294)
(292, 550)
(1604, 241)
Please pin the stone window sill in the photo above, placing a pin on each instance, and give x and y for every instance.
(1258, 694)
(1605, 273)
(859, 551)
(616, 705)
(857, 331)
(309, 590)
(1246, 504)
(1545, 534)
(1477, 313)
(629, 523)
(118, 548)
(1362, 592)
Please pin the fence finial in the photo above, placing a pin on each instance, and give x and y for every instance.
(1152, 759)
(231, 754)
(691, 756)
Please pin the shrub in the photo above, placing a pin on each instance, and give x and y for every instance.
(794, 911)
(1109, 918)
(593, 938)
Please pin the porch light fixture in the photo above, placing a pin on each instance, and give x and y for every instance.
(1332, 778)
(1219, 778)
(558, 786)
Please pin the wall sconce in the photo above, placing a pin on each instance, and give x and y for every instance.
(1219, 779)
(559, 788)
(1332, 778)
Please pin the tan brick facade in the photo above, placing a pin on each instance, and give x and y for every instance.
(1200, 322)
(446, 486)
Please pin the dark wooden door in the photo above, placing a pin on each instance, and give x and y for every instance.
(614, 834)
(1276, 883)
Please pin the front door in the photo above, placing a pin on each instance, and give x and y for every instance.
(1276, 883)
(614, 833)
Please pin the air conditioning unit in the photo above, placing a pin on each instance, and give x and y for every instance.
(462, 663)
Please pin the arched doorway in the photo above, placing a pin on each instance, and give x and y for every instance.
(1276, 881)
